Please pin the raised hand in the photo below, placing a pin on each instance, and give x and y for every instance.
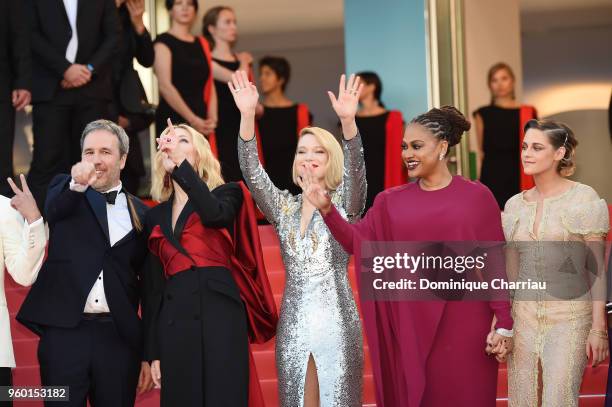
(244, 92)
(171, 156)
(84, 173)
(347, 102)
(23, 201)
(316, 194)
(136, 8)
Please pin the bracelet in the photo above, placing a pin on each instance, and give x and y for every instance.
(599, 334)
(508, 333)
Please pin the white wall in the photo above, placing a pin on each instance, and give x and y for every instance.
(567, 71)
(492, 34)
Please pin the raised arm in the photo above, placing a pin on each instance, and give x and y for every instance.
(354, 184)
(22, 234)
(269, 198)
(216, 209)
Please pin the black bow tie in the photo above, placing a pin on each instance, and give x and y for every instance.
(111, 196)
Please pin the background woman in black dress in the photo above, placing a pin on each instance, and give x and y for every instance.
(221, 32)
(381, 133)
(499, 132)
(182, 71)
(280, 123)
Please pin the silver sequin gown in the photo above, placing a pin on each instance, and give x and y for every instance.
(318, 314)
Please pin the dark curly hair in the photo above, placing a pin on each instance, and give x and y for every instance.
(446, 123)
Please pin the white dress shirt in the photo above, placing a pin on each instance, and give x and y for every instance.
(119, 225)
(71, 10)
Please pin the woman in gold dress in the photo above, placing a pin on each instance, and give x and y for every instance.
(555, 330)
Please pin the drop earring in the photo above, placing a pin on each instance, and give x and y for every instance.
(441, 156)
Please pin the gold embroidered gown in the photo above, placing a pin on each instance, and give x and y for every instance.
(551, 327)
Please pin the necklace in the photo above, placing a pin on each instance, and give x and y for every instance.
(435, 187)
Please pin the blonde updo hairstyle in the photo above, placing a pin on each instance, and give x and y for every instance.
(206, 166)
(335, 162)
(559, 135)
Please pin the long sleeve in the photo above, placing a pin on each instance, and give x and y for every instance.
(269, 199)
(348, 234)
(41, 46)
(143, 51)
(216, 209)
(153, 284)
(354, 178)
(20, 46)
(61, 200)
(111, 29)
(23, 245)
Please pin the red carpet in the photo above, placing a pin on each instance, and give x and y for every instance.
(25, 344)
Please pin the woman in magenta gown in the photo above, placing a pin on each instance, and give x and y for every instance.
(430, 353)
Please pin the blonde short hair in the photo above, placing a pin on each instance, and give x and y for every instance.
(206, 165)
(335, 162)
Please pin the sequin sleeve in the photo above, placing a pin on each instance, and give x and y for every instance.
(269, 199)
(354, 185)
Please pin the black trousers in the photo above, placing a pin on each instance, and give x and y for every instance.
(93, 360)
(58, 125)
(7, 137)
(6, 379)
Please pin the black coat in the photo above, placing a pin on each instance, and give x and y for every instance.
(15, 57)
(79, 248)
(195, 320)
(98, 33)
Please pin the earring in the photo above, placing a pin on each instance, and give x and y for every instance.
(442, 156)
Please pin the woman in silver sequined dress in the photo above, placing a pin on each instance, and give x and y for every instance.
(319, 348)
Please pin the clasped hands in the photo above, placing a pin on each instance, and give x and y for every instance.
(76, 76)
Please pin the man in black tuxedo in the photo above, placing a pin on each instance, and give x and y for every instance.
(15, 78)
(73, 43)
(84, 304)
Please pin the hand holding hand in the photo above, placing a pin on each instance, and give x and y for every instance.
(23, 201)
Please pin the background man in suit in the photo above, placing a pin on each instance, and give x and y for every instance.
(22, 249)
(15, 77)
(84, 304)
(73, 42)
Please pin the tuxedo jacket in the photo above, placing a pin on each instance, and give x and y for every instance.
(97, 31)
(21, 253)
(79, 249)
(15, 56)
